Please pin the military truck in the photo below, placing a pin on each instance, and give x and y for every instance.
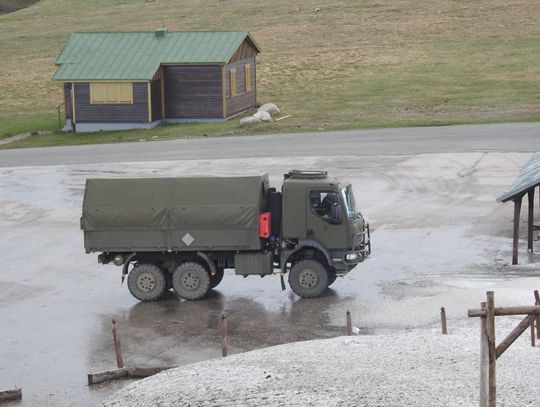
(182, 233)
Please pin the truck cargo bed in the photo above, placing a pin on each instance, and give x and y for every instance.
(173, 214)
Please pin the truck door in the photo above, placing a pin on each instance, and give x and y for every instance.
(325, 219)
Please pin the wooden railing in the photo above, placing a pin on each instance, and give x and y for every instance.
(489, 351)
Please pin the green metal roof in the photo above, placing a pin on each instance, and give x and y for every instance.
(138, 55)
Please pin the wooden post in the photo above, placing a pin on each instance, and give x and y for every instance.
(117, 347)
(490, 329)
(443, 321)
(10, 395)
(537, 302)
(512, 336)
(515, 237)
(533, 335)
(124, 373)
(95, 378)
(530, 223)
(505, 311)
(489, 352)
(484, 360)
(349, 323)
(223, 335)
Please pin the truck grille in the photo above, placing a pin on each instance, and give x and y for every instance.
(358, 241)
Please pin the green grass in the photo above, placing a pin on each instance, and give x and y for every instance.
(351, 64)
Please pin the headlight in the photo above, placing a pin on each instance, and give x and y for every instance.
(351, 256)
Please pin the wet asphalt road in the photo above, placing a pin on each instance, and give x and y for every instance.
(515, 137)
(57, 303)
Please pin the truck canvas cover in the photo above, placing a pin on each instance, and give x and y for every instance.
(173, 214)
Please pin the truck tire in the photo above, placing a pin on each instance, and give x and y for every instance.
(308, 278)
(146, 282)
(191, 281)
(215, 280)
(331, 276)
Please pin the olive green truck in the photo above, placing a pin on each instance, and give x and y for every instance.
(182, 233)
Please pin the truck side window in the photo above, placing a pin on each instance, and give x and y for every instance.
(326, 205)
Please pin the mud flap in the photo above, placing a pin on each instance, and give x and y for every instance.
(126, 266)
(282, 280)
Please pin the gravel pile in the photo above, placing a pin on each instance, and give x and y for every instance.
(409, 368)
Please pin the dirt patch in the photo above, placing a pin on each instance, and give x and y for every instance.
(9, 6)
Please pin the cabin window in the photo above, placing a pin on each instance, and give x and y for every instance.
(326, 205)
(233, 81)
(247, 77)
(111, 93)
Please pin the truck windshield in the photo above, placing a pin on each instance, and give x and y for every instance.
(350, 205)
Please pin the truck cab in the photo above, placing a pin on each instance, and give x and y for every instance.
(320, 224)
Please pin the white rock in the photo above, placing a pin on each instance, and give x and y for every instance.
(269, 107)
(249, 121)
(263, 116)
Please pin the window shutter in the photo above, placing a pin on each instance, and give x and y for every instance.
(247, 77)
(111, 93)
(233, 81)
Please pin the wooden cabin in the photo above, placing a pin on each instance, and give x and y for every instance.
(126, 80)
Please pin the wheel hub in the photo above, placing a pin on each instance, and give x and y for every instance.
(190, 280)
(146, 282)
(307, 278)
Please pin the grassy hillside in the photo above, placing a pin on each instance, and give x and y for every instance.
(9, 6)
(350, 64)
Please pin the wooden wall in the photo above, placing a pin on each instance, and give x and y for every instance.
(111, 113)
(243, 100)
(245, 51)
(156, 99)
(193, 91)
(67, 98)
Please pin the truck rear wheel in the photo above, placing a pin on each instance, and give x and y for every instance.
(146, 282)
(216, 279)
(308, 278)
(191, 281)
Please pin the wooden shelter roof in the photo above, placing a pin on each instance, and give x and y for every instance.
(528, 178)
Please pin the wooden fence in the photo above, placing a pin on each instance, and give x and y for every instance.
(489, 350)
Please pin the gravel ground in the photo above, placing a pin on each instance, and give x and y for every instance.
(420, 367)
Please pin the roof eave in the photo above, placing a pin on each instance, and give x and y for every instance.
(247, 36)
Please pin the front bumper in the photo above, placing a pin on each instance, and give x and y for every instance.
(361, 247)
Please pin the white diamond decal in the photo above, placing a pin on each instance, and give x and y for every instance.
(188, 239)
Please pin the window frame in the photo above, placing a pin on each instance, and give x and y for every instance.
(232, 82)
(247, 77)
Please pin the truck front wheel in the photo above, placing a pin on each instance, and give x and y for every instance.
(331, 276)
(308, 278)
(191, 281)
(146, 282)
